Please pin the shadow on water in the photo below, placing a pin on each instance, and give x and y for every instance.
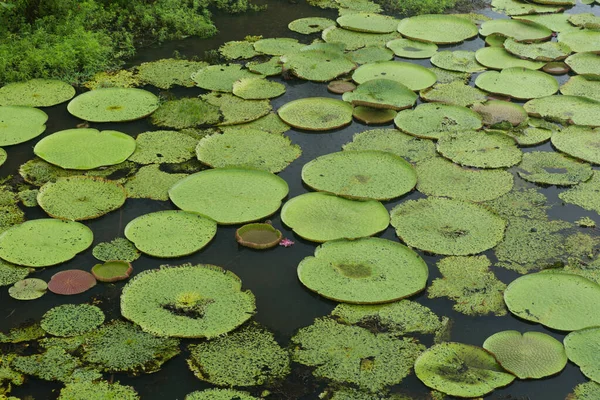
(283, 304)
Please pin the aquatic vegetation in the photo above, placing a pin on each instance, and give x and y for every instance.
(54, 364)
(433, 120)
(552, 168)
(277, 46)
(71, 281)
(187, 301)
(170, 233)
(168, 72)
(392, 141)
(230, 195)
(269, 123)
(20, 124)
(448, 227)
(122, 78)
(565, 109)
(582, 86)
(532, 355)
(381, 93)
(413, 76)
(70, 320)
(151, 183)
(408, 48)
(36, 93)
(555, 299)
(257, 89)
(460, 370)
(579, 142)
(28, 289)
(497, 113)
(220, 77)
(581, 346)
(585, 391)
(185, 113)
(219, 394)
(228, 360)
(498, 58)
(364, 271)
(320, 217)
(234, 50)
(316, 113)
(356, 40)
(586, 222)
(445, 76)
(309, 25)
(258, 236)
(156, 147)
(521, 31)
(545, 51)
(353, 355)
(368, 22)
(371, 54)
(319, 64)
(584, 194)
(586, 63)
(10, 273)
(113, 105)
(82, 390)
(459, 60)
(363, 175)
(28, 197)
(455, 93)
(586, 40)
(8, 376)
(439, 29)
(517, 7)
(112, 271)
(270, 67)
(118, 249)
(373, 116)
(518, 82)
(236, 110)
(23, 333)
(469, 282)
(44, 242)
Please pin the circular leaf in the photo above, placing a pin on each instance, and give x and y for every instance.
(413, 76)
(36, 93)
(316, 113)
(437, 28)
(113, 105)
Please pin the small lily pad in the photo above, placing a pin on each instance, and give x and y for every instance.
(112, 271)
(341, 87)
(545, 51)
(566, 109)
(581, 348)
(70, 320)
(587, 63)
(185, 113)
(220, 77)
(521, 31)
(309, 25)
(581, 41)
(373, 116)
(19, 124)
(71, 281)
(556, 68)
(551, 168)
(320, 217)
(532, 355)
(236, 110)
(355, 40)
(113, 105)
(316, 113)
(270, 67)
(156, 147)
(499, 58)
(258, 236)
(170, 233)
(518, 82)
(437, 28)
(169, 72)
(432, 121)
(413, 76)
(36, 93)
(456, 93)
(368, 22)
(408, 48)
(119, 249)
(459, 60)
(382, 93)
(28, 289)
(583, 87)
(364, 271)
(585, 20)
(480, 149)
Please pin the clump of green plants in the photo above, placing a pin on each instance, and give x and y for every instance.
(417, 7)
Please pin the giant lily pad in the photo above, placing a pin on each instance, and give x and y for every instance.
(79, 390)
(36, 93)
(220, 394)
(583, 87)
(44, 242)
(455, 93)
(558, 300)
(361, 175)
(80, 197)
(320, 217)
(461, 370)
(185, 113)
(371, 54)
(170, 233)
(408, 48)
(532, 355)
(277, 46)
(226, 361)
(257, 89)
(580, 142)
(187, 301)
(440, 177)
(431, 121)
(237, 49)
(151, 183)
(581, 41)
(236, 110)
(113, 105)
(445, 226)
(566, 109)
(459, 60)
(230, 195)
(518, 82)
(119, 249)
(316, 113)
(19, 124)
(581, 347)
(480, 149)
(373, 116)
(356, 40)
(497, 113)
(163, 147)
(70, 320)
(364, 271)
(521, 31)
(585, 63)
(551, 168)
(220, 77)
(168, 72)
(270, 67)
(368, 22)
(318, 64)
(585, 194)
(413, 76)
(85, 148)
(248, 149)
(518, 7)
(499, 58)
(545, 51)
(585, 20)
(437, 28)
(309, 25)
(382, 93)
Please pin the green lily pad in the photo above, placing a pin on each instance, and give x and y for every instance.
(520, 202)
(235, 110)
(566, 109)
(364, 271)
(585, 20)
(470, 284)
(446, 226)
(556, 68)
(320, 217)
(319, 65)
(220, 394)
(353, 355)
(362, 175)
(354, 6)
(230, 195)
(495, 40)
(499, 58)
(368, 22)
(532, 355)
(277, 46)
(528, 135)
(551, 168)
(521, 31)
(85, 148)
(112, 271)
(185, 113)
(445, 76)
(585, 391)
(440, 177)
(191, 301)
(169, 72)
(373, 116)
(248, 149)
(269, 123)
(80, 197)
(459, 60)
(581, 348)
(558, 300)
(23, 333)
(19, 124)
(413, 76)
(580, 142)
(220, 77)
(237, 49)
(113, 105)
(371, 54)
(270, 67)
(518, 82)
(226, 361)
(44, 242)
(408, 48)
(461, 370)
(382, 93)
(257, 89)
(53, 365)
(587, 63)
(582, 87)
(581, 41)
(309, 25)
(456, 93)
(518, 7)
(81, 390)
(497, 113)
(355, 40)
(258, 236)
(151, 183)
(316, 113)
(119, 249)
(157, 147)
(480, 149)
(36, 93)
(9, 273)
(585, 194)
(475, 18)
(433, 120)
(393, 141)
(28, 289)
(437, 28)
(170, 233)
(545, 51)
(70, 320)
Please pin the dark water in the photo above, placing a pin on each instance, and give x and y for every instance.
(283, 304)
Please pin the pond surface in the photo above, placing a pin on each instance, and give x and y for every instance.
(283, 304)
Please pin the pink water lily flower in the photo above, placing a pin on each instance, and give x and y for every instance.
(285, 242)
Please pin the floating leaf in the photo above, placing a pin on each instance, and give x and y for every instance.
(454, 93)
(235, 110)
(408, 48)
(36, 93)
(373, 116)
(581, 41)
(566, 109)
(19, 124)
(220, 394)
(382, 93)
(371, 54)
(437, 28)
(521, 31)
(518, 82)
(271, 67)
(113, 105)
(583, 87)
(80, 390)
(316, 113)
(220, 77)
(185, 113)
(459, 60)
(269, 123)
(277, 46)
(163, 147)
(545, 51)
(517, 7)
(480, 149)
(551, 168)
(151, 183)
(53, 365)
(10, 273)
(237, 49)
(356, 40)
(413, 76)
(71, 281)
(28, 289)
(341, 87)
(119, 249)
(168, 72)
(70, 320)
(499, 58)
(319, 65)
(585, 63)
(258, 236)
(112, 271)
(497, 113)
(257, 89)
(309, 25)
(580, 142)
(432, 121)
(585, 194)
(581, 349)
(585, 391)
(368, 22)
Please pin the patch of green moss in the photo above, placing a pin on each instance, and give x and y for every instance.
(219, 394)
(8, 376)
(25, 333)
(469, 282)
(72, 319)
(269, 123)
(586, 222)
(585, 194)
(97, 390)
(121, 78)
(28, 197)
(585, 391)
(520, 202)
(455, 92)
(10, 273)
(185, 113)
(68, 344)
(118, 249)
(54, 364)
(151, 183)
(168, 72)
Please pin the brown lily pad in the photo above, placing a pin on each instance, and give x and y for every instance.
(71, 281)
